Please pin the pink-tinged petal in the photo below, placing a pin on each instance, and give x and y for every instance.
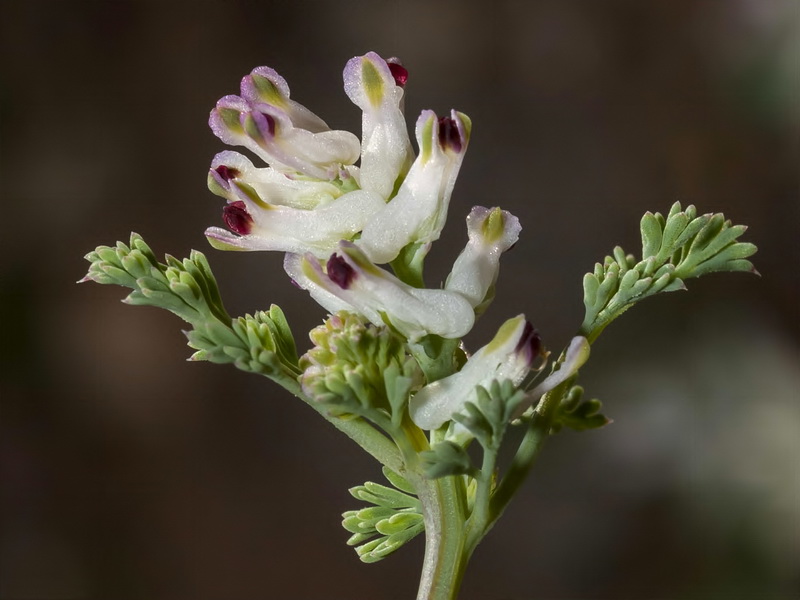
(386, 149)
(509, 355)
(491, 232)
(222, 239)
(264, 85)
(419, 210)
(259, 126)
(225, 120)
(229, 121)
(281, 132)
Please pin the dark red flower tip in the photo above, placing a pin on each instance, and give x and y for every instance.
(530, 343)
(449, 135)
(237, 218)
(227, 173)
(399, 72)
(340, 272)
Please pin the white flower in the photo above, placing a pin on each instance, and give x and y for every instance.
(268, 210)
(280, 131)
(419, 210)
(509, 355)
(491, 232)
(349, 281)
(376, 87)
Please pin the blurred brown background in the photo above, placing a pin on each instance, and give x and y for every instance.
(130, 474)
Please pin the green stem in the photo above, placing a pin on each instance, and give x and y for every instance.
(362, 433)
(446, 554)
(480, 521)
(532, 443)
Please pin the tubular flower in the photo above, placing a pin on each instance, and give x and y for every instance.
(376, 87)
(280, 131)
(418, 212)
(300, 216)
(509, 355)
(491, 232)
(576, 354)
(349, 281)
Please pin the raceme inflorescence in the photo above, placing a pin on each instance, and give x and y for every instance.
(355, 219)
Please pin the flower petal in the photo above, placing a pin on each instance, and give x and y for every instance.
(418, 212)
(508, 356)
(296, 230)
(575, 357)
(491, 232)
(225, 121)
(264, 85)
(285, 147)
(275, 187)
(268, 130)
(376, 294)
(307, 274)
(386, 150)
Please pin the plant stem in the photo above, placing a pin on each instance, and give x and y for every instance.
(362, 433)
(528, 451)
(446, 553)
(480, 521)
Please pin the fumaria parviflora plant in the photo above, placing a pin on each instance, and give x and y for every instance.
(355, 220)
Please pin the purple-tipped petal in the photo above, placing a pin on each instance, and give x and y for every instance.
(225, 119)
(265, 86)
(289, 229)
(449, 136)
(529, 346)
(237, 218)
(260, 127)
(340, 273)
(271, 185)
(377, 294)
(419, 210)
(398, 71)
(307, 274)
(227, 173)
(280, 131)
(385, 148)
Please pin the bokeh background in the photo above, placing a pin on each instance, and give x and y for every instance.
(130, 474)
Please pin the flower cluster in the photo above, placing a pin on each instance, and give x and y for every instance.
(338, 221)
